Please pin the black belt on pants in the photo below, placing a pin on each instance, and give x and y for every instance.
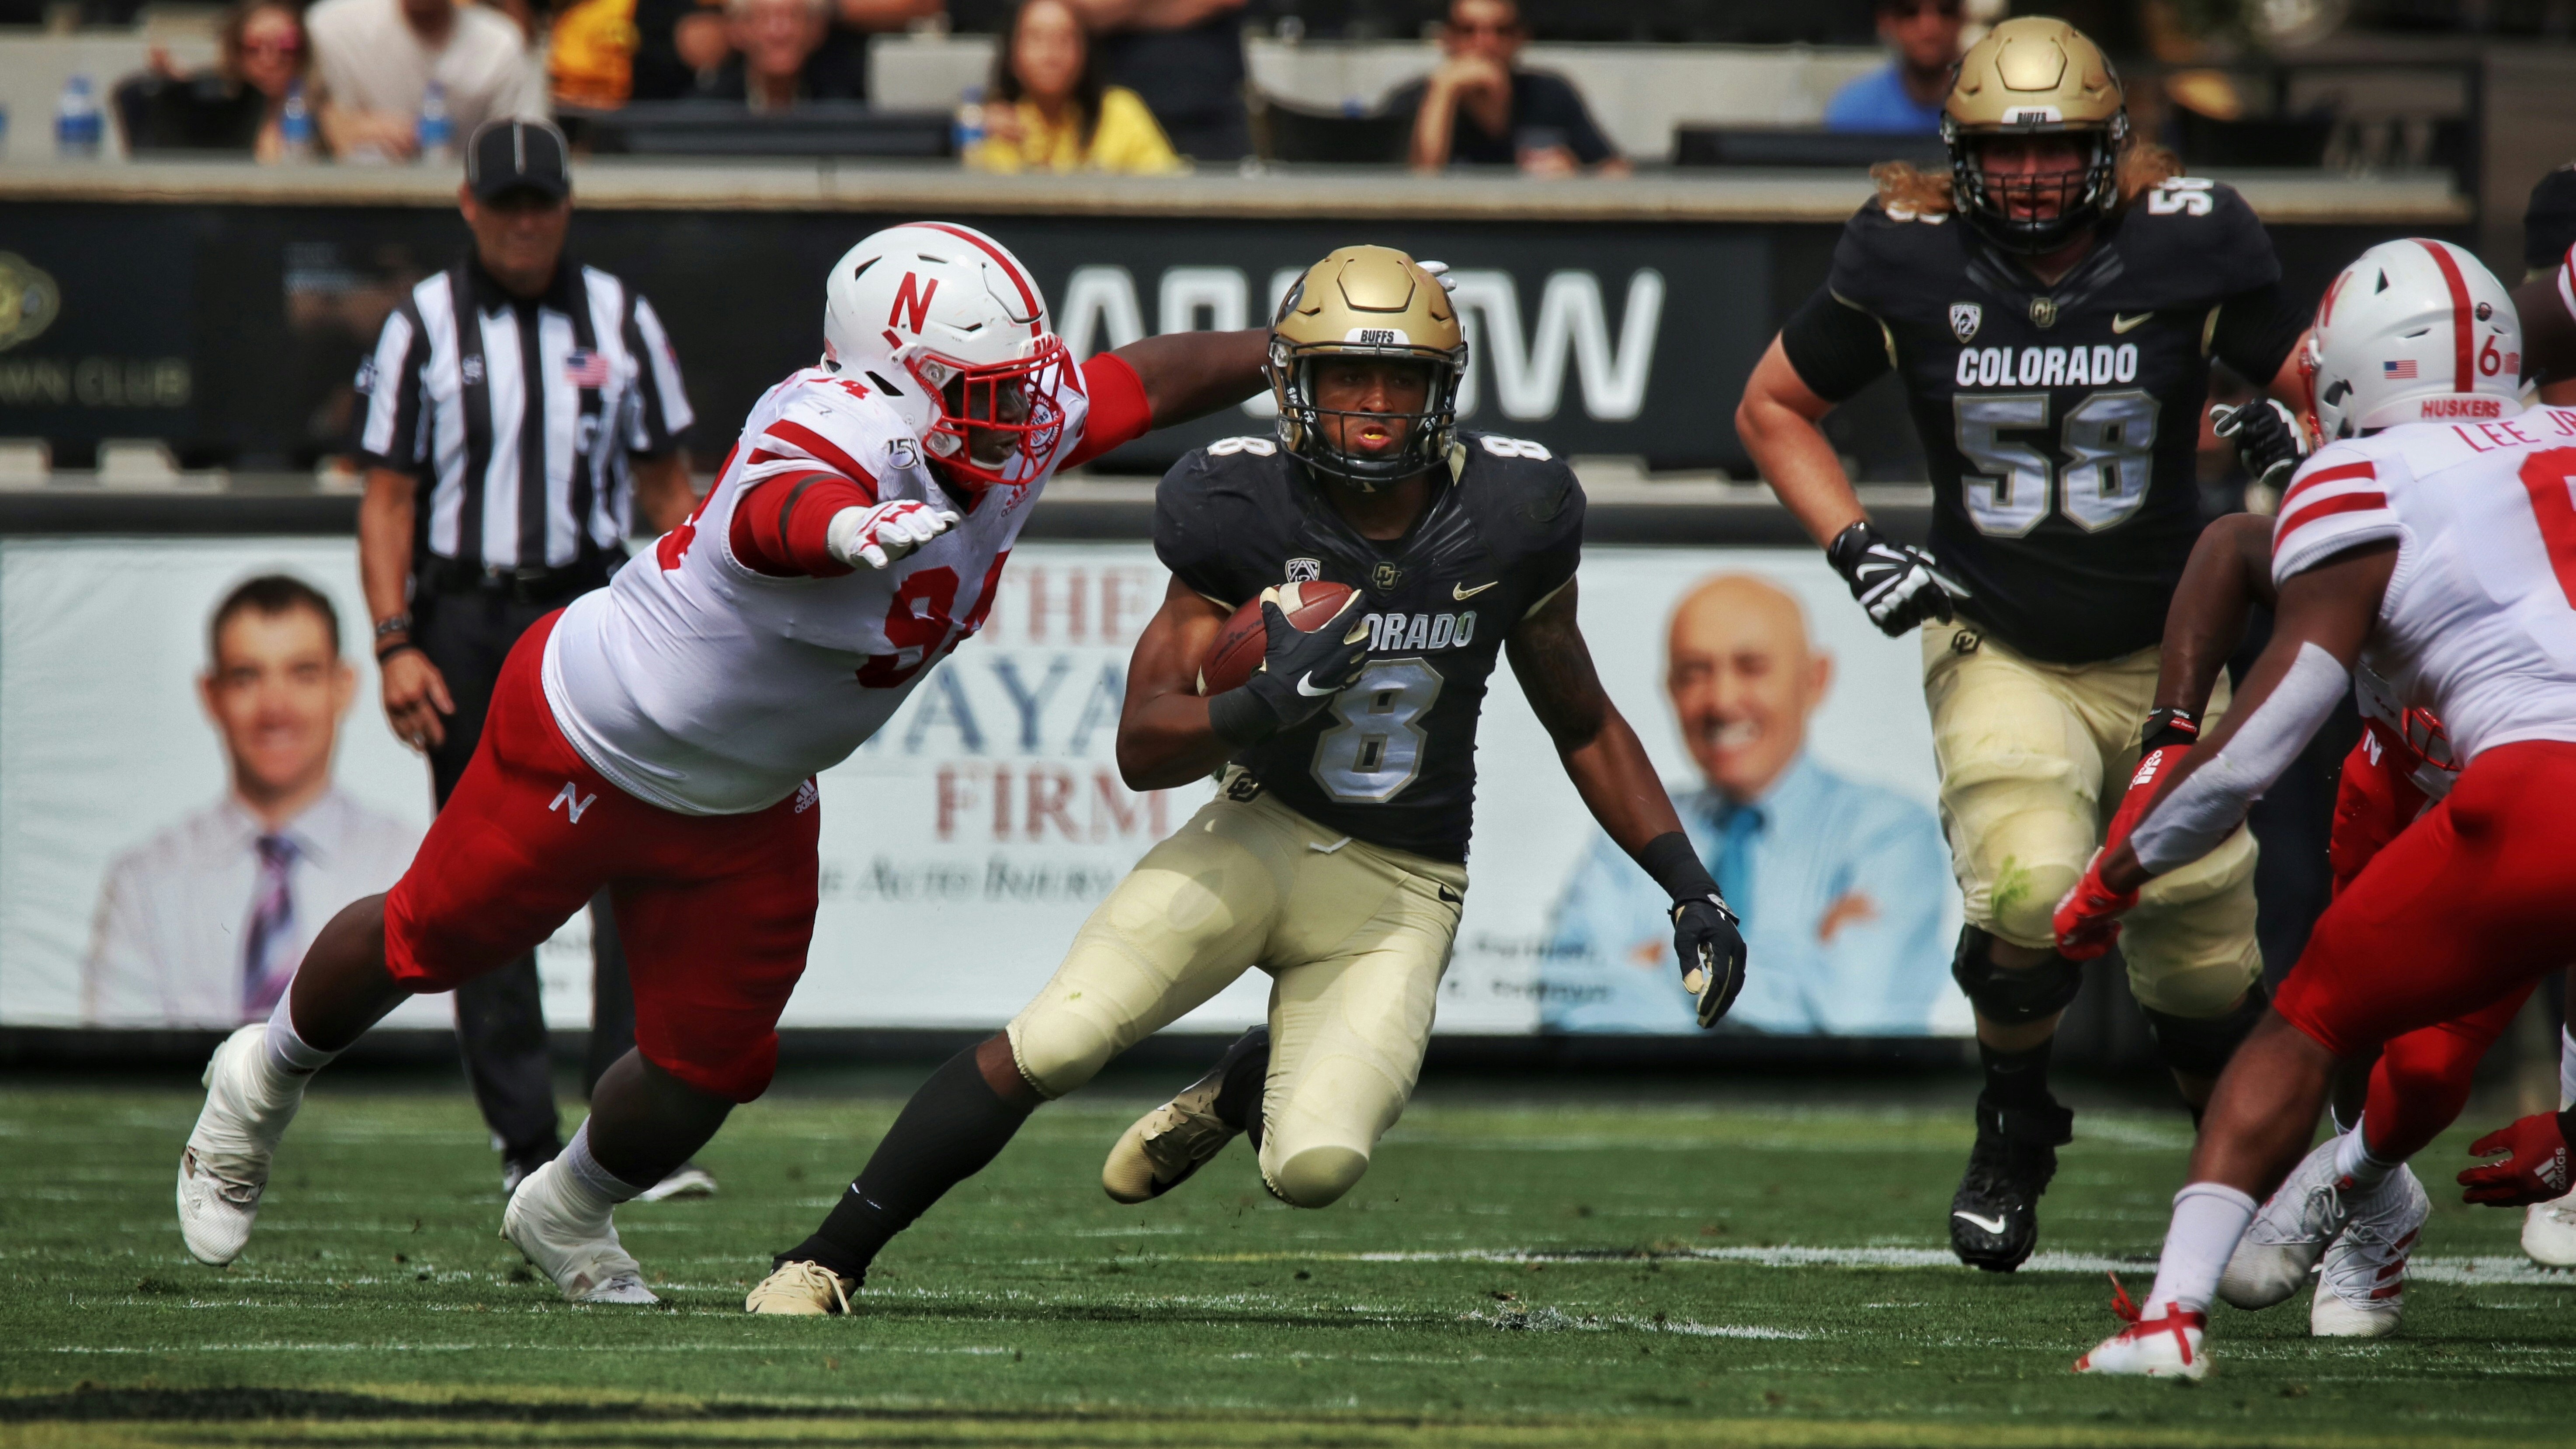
(438, 575)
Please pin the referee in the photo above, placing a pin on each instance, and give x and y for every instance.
(523, 414)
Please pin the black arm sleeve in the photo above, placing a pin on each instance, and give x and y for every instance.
(1836, 348)
(2256, 330)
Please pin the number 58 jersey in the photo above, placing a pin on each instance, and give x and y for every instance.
(2060, 421)
(1392, 760)
(2479, 621)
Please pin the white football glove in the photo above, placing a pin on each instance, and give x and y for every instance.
(885, 535)
(1440, 273)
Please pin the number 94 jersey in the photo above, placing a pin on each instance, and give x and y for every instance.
(2060, 422)
(1392, 760)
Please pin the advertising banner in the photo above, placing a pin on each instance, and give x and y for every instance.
(962, 847)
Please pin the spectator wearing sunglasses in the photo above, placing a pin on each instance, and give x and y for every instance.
(1481, 109)
(235, 106)
(1905, 98)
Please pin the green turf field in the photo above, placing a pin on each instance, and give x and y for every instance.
(1576, 1270)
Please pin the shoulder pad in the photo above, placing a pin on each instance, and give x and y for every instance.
(1885, 255)
(1535, 484)
(2202, 230)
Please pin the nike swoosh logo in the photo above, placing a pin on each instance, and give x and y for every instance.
(2120, 324)
(1462, 593)
(1312, 693)
(1992, 1225)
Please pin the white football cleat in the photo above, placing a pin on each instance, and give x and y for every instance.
(2285, 1240)
(686, 1180)
(802, 1288)
(224, 1168)
(2549, 1232)
(2167, 1346)
(2361, 1288)
(583, 1258)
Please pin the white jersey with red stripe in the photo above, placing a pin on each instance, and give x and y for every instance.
(2478, 625)
(697, 684)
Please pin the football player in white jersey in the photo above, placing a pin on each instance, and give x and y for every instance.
(661, 736)
(2433, 539)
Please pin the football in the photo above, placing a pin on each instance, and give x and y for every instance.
(1240, 645)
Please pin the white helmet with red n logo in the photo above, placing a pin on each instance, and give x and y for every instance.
(2416, 331)
(945, 325)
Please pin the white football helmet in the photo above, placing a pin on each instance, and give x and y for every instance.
(945, 325)
(2416, 331)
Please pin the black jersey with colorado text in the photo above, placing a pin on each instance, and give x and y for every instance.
(2061, 422)
(1392, 760)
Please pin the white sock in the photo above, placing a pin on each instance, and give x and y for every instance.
(287, 1060)
(2566, 1070)
(2353, 1159)
(588, 1187)
(2208, 1218)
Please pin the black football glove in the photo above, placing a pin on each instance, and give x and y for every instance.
(1300, 673)
(1711, 948)
(2267, 438)
(1895, 581)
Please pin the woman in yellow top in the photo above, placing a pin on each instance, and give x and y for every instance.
(1049, 109)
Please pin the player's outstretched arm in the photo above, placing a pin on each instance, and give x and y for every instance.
(1619, 786)
(2230, 571)
(1192, 374)
(2325, 614)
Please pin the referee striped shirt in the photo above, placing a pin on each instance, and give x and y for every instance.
(518, 417)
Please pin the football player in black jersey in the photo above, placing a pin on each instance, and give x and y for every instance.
(2051, 307)
(1334, 856)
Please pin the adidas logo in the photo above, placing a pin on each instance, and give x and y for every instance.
(807, 796)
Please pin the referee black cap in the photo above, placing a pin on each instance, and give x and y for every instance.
(518, 156)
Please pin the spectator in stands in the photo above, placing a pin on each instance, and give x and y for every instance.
(682, 44)
(1049, 110)
(235, 106)
(1905, 98)
(1184, 59)
(377, 58)
(1481, 109)
(777, 61)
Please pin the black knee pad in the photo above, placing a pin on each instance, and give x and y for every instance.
(2200, 1046)
(2009, 997)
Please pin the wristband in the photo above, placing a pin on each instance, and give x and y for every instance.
(2169, 727)
(388, 651)
(1240, 717)
(1676, 867)
(393, 624)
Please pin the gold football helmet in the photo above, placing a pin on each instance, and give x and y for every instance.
(2035, 76)
(1366, 301)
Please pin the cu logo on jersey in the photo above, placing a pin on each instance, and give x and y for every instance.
(1965, 319)
(1305, 570)
(1385, 577)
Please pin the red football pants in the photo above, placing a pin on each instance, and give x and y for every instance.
(2421, 1081)
(715, 911)
(2465, 909)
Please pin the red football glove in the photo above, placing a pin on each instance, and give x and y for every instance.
(2088, 919)
(2153, 766)
(2535, 1169)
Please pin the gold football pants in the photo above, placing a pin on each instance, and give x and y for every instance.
(1355, 938)
(2033, 759)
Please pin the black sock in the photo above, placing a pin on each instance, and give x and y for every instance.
(1238, 1097)
(953, 1126)
(2017, 1079)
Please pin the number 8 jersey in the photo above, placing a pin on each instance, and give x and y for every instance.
(1392, 760)
(2060, 423)
(700, 684)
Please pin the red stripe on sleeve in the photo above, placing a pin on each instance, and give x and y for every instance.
(1119, 410)
(779, 524)
(2464, 367)
(823, 450)
(2340, 473)
(2349, 503)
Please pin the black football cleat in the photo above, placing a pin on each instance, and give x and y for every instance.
(1994, 1217)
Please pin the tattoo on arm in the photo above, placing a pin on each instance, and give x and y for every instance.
(1554, 666)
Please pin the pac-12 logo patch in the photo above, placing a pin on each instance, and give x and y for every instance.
(1965, 319)
(1305, 570)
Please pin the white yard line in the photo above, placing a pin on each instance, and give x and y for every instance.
(2478, 1271)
